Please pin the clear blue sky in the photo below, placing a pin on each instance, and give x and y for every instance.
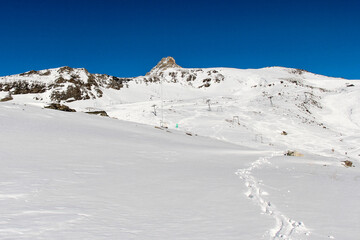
(128, 37)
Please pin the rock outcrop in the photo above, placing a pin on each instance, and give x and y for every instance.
(63, 84)
(60, 107)
(167, 70)
(164, 64)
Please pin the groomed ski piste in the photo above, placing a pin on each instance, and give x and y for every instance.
(218, 171)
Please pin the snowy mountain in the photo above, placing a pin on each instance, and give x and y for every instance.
(60, 84)
(263, 102)
(218, 170)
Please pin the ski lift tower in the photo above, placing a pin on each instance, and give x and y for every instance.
(162, 101)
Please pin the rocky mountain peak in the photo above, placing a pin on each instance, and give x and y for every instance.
(165, 63)
(70, 70)
(65, 69)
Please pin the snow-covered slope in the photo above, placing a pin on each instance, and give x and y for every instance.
(246, 105)
(77, 176)
(275, 105)
(210, 183)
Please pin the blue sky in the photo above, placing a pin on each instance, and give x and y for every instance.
(127, 38)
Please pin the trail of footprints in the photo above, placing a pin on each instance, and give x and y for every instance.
(285, 228)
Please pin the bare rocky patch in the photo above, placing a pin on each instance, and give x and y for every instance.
(60, 107)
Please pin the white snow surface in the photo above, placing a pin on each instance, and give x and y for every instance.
(217, 172)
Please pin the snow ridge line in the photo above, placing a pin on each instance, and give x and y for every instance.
(285, 227)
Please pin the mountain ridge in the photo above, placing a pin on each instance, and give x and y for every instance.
(66, 84)
(299, 98)
(289, 137)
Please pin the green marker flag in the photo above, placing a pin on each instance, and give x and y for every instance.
(177, 125)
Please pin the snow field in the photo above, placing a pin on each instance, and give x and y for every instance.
(82, 176)
(71, 175)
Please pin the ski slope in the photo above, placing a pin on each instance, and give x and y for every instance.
(78, 176)
(218, 171)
